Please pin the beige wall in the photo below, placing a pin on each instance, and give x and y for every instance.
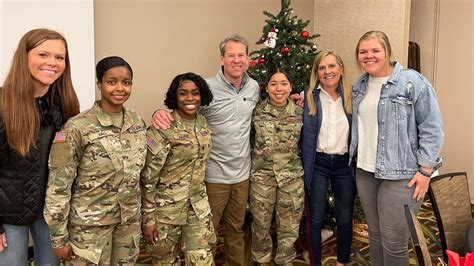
(423, 30)
(455, 84)
(163, 38)
(342, 22)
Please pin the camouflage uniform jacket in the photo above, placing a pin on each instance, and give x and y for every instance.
(276, 152)
(94, 172)
(173, 178)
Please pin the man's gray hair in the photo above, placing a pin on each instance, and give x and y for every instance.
(233, 38)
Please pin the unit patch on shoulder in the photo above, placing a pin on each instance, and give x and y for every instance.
(60, 136)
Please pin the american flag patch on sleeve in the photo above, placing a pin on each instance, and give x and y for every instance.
(60, 137)
(151, 142)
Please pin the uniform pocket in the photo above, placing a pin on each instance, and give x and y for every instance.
(298, 197)
(289, 134)
(114, 152)
(136, 242)
(103, 151)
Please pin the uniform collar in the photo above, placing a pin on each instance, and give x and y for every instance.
(289, 110)
(182, 125)
(105, 120)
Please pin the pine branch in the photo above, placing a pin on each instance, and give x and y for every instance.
(292, 48)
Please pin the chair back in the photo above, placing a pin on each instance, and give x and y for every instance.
(418, 239)
(449, 196)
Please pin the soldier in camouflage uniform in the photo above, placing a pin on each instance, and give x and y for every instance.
(93, 196)
(276, 182)
(175, 204)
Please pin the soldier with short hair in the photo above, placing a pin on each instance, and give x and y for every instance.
(93, 196)
(276, 180)
(176, 211)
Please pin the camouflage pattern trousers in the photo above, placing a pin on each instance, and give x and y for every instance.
(115, 244)
(287, 202)
(195, 239)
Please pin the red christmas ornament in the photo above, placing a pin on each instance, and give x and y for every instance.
(252, 63)
(285, 50)
(261, 61)
(304, 34)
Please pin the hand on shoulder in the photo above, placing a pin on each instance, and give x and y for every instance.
(162, 119)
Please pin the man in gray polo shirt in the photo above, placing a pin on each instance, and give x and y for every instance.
(228, 170)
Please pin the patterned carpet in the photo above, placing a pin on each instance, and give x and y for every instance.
(360, 251)
(360, 247)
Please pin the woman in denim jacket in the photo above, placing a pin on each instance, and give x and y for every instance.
(397, 134)
(326, 128)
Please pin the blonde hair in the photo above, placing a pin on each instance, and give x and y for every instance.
(314, 82)
(20, 111)
(383, 40)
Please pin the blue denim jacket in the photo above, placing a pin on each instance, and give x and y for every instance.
(410, 127)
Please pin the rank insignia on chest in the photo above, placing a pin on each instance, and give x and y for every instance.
(183, 136)
(136, 128)
(60, 137)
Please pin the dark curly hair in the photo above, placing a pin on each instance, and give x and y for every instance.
(171, 100)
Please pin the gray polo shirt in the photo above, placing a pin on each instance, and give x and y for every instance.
(230, 117)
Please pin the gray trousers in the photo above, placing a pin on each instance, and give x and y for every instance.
(382, 201)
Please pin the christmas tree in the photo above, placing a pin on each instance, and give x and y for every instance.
(287, 45)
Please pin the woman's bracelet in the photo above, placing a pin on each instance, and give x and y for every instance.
(424, 173)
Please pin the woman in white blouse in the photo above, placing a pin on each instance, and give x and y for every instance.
(326, 127)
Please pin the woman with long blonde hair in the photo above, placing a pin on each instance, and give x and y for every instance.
(326, 128)
(36, 98)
